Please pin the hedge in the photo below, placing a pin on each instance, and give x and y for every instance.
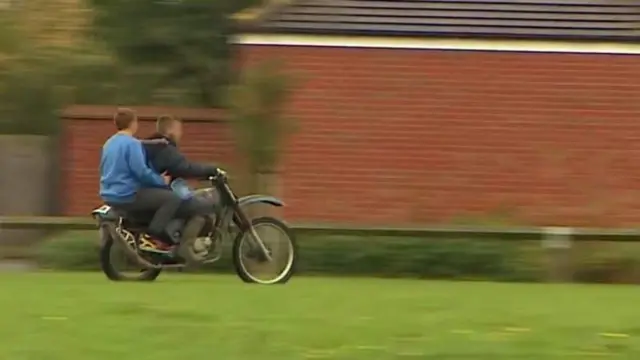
(390, 257)
(396, 257)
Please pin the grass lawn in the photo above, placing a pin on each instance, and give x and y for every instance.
(47, 316)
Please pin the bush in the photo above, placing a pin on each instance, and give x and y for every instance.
(607, 263)
(414, 257)
(70, 251)
(388, 257)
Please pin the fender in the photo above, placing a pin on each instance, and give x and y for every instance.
(105, 213)
(265, 199)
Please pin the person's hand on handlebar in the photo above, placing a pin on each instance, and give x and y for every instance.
(218, 173)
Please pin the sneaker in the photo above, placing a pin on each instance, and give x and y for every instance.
(150, 244)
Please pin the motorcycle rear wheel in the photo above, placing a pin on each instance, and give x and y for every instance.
(107, 245)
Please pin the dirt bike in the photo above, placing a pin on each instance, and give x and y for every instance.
(230, 222)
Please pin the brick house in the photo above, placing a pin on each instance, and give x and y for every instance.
(417, 112)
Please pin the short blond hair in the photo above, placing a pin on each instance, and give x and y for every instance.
(164, 122)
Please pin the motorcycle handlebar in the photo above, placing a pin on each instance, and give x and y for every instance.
(218, 177)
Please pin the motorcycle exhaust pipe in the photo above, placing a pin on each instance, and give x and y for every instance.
(141, 261)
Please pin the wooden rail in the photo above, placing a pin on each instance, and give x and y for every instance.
(500, 233)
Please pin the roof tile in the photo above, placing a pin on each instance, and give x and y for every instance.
(567, 19)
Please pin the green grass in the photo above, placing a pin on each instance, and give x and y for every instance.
(82, 316)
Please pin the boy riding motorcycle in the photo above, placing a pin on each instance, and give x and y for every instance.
(163, 155)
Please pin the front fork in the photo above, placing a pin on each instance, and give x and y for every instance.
(246, 226)
(244, 223)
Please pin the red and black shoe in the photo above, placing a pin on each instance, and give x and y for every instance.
(152, 244)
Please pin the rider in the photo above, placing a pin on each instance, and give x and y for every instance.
(164, 156)
(128, 183)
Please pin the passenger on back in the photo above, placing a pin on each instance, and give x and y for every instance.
(128, 183)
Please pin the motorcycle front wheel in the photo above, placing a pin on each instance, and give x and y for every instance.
(249, 261)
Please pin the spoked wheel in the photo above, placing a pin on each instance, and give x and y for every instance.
(117, 264)
(249, 260)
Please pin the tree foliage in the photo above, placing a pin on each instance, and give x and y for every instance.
(256, 107)
(44, 68)
(177, 50)
(30, 68)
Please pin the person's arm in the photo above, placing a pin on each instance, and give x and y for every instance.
(177, 165)
(154, 141)
(139, 167)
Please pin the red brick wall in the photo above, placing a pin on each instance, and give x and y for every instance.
(417, 136)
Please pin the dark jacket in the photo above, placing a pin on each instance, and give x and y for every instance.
(164, 156)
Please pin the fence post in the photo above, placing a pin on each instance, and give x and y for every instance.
(557, 242)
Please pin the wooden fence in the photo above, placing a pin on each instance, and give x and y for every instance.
(549, 236)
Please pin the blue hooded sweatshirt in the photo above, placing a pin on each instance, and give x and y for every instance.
(124, 170)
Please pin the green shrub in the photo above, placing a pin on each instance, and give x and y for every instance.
(388, 257)
(414, 257)
(599, 262)
(70, 251)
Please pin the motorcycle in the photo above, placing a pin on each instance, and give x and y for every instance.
(230, 222)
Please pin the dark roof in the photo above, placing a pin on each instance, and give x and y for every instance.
(561, 19)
